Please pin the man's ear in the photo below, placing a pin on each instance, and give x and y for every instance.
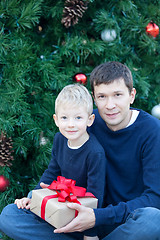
(133, 94)
(91, 120)
(55, 119)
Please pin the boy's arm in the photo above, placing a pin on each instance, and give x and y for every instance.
(53, 169)
(96, 164)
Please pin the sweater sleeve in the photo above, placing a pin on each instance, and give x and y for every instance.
(150, 197)
(96, 164)
(96, 175)
(53, 169)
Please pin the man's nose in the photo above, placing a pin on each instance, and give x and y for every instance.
(109, 103)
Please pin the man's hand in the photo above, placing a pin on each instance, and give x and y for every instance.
(84, 220)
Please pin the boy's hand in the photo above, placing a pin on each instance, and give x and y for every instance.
(23, 203)
(84, 220)
(43, 185)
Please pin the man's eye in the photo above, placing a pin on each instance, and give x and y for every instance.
(118, 94)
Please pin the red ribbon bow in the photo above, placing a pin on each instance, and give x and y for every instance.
(66, 190)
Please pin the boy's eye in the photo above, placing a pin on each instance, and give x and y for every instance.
(78, 117)
(101, 96)
(63, 117)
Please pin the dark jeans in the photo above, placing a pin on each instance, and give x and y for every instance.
(142, 224)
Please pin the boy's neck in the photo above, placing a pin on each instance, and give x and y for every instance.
(75, 145)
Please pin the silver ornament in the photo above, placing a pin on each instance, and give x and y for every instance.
(108, 35)
(156, 111)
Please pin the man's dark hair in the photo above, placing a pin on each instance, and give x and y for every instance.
(110, 71)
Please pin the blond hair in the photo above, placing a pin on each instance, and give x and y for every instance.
(74, 94)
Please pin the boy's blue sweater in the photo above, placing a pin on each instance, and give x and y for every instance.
(85, 165)
(133, 167)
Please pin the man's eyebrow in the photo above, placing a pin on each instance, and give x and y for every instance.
(104, 93)
(118, 91)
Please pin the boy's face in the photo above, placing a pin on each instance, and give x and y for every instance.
(113, 102)
(72, 122)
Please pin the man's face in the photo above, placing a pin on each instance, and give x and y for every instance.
(113, 102)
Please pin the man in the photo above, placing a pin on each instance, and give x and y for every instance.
(131, 140)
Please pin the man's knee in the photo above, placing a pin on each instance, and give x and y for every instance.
(151, 211)
(148, 214)
(148, 220)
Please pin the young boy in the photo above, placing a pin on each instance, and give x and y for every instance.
(75, 155)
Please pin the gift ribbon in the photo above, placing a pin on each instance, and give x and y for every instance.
(65, 190)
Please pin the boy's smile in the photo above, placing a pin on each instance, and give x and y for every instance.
(113, 101)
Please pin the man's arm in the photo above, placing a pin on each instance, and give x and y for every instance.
(84, 220)
(118, 213)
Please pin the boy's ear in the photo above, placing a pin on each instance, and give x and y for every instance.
(55, 119)
(91, 120)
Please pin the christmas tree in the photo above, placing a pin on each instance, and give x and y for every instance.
(43, 44)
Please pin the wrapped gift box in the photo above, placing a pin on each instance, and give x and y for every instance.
(57, 213)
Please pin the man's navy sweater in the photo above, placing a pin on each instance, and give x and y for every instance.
(133, 167)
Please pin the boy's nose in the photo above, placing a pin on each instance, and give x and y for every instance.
(71, 123)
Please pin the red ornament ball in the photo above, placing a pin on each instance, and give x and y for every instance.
(80, 78)
(152, 29)
(4, 183)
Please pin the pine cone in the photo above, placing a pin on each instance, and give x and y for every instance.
(5, 150)
(72, 11)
